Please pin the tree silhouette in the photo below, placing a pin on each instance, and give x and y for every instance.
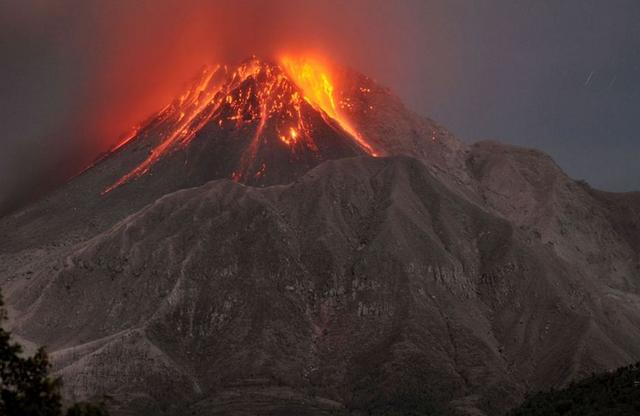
(614, 393)
(26, 389)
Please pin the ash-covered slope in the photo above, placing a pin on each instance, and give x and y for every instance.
(365, 279)
(596, 231)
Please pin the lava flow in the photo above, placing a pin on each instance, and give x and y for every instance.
(319, 92)
(254, 93)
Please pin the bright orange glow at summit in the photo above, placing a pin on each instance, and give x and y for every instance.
(315, 81)
(249, 95)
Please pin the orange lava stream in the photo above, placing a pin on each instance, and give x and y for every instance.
(249, 155)
(192, 103)
(254, 91)
(315, 82)
(132, 134)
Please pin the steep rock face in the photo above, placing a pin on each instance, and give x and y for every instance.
(623, 211)
(366, 278)
(528, 188)
(594, 232)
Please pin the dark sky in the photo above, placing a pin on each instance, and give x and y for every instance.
(562, 76)
(559, 75)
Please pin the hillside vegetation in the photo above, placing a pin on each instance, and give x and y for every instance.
(609, 394)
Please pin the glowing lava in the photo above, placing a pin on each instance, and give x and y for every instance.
(254, 93)
(314, 80)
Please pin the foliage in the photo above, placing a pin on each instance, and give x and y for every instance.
(609, 394)
(86, 409)
(378, 393)
(404, 404)
(26, 389)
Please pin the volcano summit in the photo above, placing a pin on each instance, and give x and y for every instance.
(287, 238)
(263, 119)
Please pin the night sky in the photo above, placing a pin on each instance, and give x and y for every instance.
(560, 76)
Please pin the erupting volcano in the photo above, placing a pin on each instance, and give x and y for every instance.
(173, 278)
(269, 115)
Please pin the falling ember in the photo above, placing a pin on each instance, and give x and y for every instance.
(262, 171)
(291, 138)
(252, 94)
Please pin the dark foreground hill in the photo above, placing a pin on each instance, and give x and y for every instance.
(611, 394)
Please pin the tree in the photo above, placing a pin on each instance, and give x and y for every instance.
(86, 409)
(26, 389)
(614, 393)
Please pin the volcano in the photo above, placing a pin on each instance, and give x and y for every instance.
(266, 125)
(286, 237)
(259, 123)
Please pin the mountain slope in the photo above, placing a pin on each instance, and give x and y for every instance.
(365, 278)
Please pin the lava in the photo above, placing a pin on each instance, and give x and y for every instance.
(253, 93)
(184, 111)
(132, 134)
(314, 79)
